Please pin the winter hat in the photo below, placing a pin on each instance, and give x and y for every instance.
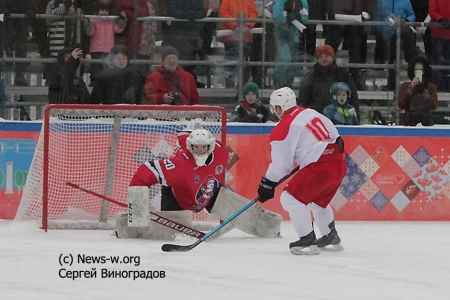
(340, 86)
(251, 87)
(325, 49)
(168, 51)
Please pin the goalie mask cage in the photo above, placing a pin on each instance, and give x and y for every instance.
(99, 148)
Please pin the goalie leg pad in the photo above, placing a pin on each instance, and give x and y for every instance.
(123, 231)
(138, 206)
(155, 231)
(256, 220)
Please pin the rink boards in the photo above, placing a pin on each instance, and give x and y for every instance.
(394, 173)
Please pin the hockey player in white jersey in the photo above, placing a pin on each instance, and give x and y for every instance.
(306, 138)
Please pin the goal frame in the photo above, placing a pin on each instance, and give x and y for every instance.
(124, 107)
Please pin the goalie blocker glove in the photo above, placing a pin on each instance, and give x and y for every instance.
(266, 190)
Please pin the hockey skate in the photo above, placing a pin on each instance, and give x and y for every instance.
(331, 241)
(307, 245)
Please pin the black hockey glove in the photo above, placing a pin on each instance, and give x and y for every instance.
(266, 190)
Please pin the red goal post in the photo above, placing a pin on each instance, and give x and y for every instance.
(99, 147)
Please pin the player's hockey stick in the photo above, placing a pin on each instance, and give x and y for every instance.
(154, 217)
(180, 248)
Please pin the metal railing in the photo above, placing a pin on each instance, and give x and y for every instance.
(240, 63)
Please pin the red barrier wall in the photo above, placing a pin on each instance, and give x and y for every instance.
(388, 178)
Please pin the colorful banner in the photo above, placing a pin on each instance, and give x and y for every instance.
(394, 173)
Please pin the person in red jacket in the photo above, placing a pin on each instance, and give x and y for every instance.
(131, 36)
(171, 84)
(439, 11)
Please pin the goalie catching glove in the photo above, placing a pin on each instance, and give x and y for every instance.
(266, 190)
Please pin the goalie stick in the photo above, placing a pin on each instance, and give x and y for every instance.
(154, 217)
(181, 248)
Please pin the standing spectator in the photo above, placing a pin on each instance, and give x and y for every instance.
(119, 82)
(61, 33)
(102, 33)
(356, 35)
(339, 111)
(231, 9)
(440, 12)
(185, 36)
(2, 99)
(287, 39)
(419, 96)
(147, 42)
(131, 36)
(309, 36)
(207, 30)
(171, 84)
(16, 32)
(420, 8)
(315, 88)
(250, 109)
(402, 11)
(64, 86)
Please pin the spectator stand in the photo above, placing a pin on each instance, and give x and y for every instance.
(27, 102)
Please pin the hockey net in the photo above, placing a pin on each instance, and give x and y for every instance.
(99, 147)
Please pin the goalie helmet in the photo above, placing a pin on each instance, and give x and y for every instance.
(201, 144)
(284, 98)
(192, 124)
(186, 131)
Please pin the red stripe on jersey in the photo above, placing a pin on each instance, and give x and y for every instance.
(280, 131)
(144, 177)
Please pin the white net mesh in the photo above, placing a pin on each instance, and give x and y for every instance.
(99, 148)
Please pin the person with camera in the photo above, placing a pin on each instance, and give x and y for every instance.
(65, 87)
(171, 84)
(419, 96)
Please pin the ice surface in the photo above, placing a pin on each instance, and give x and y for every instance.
(381, 260)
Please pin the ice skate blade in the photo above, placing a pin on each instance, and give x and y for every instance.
(311, 250)
(333, 248)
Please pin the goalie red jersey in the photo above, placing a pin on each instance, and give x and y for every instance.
(192, 185)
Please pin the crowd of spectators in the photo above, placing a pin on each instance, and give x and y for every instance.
(118, 41)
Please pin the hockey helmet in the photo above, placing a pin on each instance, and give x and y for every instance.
(284, 98)
(201, 144)
(186, 131)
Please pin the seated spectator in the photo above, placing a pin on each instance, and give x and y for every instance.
(250, 109)
(119, 83)
(419, 96)
(171, 84)
(340, 112)
(315, 87)
(64, 86)
(102, 33)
